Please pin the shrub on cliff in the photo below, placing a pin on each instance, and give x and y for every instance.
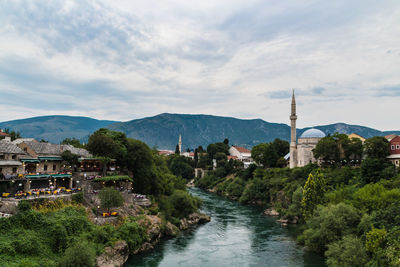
(183, 204)
(110, 198)
(80, 254)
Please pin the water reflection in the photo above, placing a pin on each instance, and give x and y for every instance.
(237, 235)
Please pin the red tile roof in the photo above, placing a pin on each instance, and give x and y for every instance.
(242, 149)
(4, 134)
(390, 136)
(232, 157)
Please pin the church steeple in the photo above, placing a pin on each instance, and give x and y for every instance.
(293, 145)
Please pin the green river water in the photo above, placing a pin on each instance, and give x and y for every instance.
(238, 235)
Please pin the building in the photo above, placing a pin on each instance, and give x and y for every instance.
(394, 148)
(354, 135)
(301, 150)
(305, 145)
(165, 152)
(3, 134)
(390, 137)
(242, 154)
(10, 164)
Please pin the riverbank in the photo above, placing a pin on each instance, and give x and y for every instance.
(52, 231)
(156, 231)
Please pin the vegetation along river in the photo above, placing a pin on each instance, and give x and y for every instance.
(238, 235)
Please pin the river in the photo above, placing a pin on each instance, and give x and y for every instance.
(238, 235)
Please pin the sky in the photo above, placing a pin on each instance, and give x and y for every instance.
(127, 59)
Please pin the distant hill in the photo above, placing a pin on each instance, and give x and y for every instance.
(162, 131)
(56, 128)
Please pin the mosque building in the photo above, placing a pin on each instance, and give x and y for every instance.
(301, 150)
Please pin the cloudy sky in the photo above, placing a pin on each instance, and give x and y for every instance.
(123, 60)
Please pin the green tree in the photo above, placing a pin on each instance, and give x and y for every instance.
(226, 141)
(213, 149)
(80, 254)
(375, 239)
(69, 157)
(100, 144)
(330, 224)
(327, 150)
(376, 147)
(281, 147)
(347, 252)
(375, 169)
(177, 152)
(313, 194)
(139, 161)
(180, 167)
(110, 198)
(183, 204)
(354, 150)
(265, 154)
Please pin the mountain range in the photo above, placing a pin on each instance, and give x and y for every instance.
(162, 131)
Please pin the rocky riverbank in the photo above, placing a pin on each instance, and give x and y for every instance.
(156, 231)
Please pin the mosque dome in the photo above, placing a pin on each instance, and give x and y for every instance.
(313, 133)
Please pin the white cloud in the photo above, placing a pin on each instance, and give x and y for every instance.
(129, 59)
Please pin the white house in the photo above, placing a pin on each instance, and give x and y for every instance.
(242, 154)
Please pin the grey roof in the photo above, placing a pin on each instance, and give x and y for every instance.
(44, 148)
(21, 140)
(313, 133)
(9, 148)
(10, 163)
(77, 151)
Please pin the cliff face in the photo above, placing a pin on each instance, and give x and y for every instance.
(119, 253)
(114, 256)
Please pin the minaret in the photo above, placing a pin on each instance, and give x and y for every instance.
(180, 144)
(293, 145)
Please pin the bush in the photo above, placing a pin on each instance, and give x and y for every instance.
(347, 252)
(375, 239)
(110, 198)
(375, 197)
(235, 188)
(133, 234)
(182, 203)
(24, 205)
(329, 224)
(78, 197)
(80, 254)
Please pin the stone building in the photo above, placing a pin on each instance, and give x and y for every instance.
(10, 155)
(301, 150)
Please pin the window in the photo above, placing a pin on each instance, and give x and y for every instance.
(45, 168)
(397, 146)
(392, 147)
(1, 170)
(14, 156)
(14, 170)
(1, 156)
(25, 149)
(54, 167)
